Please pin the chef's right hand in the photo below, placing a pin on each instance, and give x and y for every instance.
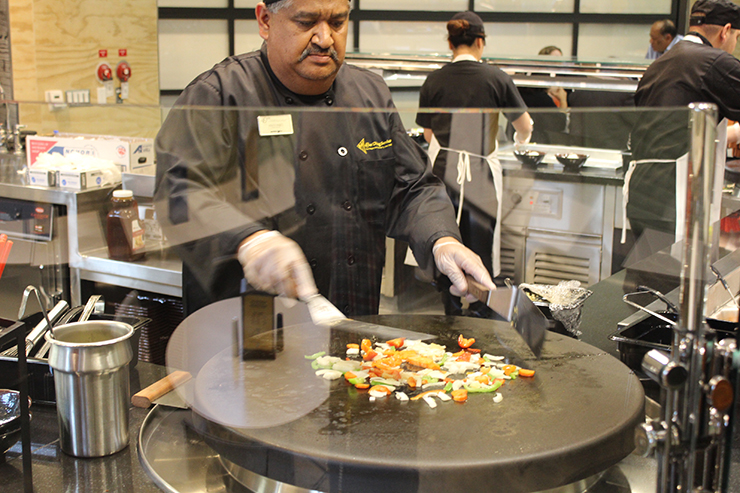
(276, 264)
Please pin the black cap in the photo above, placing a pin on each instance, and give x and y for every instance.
(475, 22)
(715, 12)
(268, 2)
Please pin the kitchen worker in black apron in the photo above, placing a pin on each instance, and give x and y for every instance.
(298, 202)
(463, 145)
(698, 69)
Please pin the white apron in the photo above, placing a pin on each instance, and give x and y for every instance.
(682, 172)
(463, 176)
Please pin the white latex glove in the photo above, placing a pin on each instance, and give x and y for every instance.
(276, 264)
(454, 260)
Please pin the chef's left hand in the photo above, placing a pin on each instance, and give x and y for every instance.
(454, 260)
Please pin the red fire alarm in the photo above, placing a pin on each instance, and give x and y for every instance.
(104, 72)
(123, 71)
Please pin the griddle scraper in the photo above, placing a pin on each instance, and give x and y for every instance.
(514, 306)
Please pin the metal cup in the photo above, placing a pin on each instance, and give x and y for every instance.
(90, 363)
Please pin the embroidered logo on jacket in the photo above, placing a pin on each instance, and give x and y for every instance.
(374, 146)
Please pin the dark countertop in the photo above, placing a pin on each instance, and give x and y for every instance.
(54, 471)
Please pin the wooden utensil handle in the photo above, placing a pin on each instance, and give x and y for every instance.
(477, 289)
(144, 398)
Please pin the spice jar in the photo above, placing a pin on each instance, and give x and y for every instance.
(125, 232)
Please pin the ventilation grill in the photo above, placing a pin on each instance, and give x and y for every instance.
(552, 268)
(508, 263)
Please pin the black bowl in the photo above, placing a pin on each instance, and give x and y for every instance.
(571, 160)
(529, 157)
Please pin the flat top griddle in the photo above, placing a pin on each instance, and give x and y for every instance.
(574, 419)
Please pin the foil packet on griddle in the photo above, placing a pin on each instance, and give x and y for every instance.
(564, 300)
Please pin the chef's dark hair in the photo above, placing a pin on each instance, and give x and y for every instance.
(464, 28)
(459, 33)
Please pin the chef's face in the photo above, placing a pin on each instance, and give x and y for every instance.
(659, 41)
(306, 42)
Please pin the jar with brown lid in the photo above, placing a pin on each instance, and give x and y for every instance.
(125, 232)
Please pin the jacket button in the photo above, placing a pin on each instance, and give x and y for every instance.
(346, 205)
(288, 100)
(311, 209)
(313, 263)
(342, 151)
(351, 260)
(329, 101)
(303, 155)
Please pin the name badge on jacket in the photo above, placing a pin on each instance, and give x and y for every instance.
(269, 125)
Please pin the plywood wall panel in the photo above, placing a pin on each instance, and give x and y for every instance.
(55, 46)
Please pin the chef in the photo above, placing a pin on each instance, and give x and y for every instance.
(256, 178)
(699, 69)
(463, 145)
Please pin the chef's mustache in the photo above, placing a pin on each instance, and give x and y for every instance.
(314, 50)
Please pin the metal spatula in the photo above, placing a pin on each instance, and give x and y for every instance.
(515, 307)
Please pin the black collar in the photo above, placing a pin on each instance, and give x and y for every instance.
(703, 39)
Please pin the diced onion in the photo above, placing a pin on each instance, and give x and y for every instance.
(377, 393)
(401, 396)
(429, 400)
(353, 351)
(491, 357)
(443, 396)
(497, 397)
(329, 374)
(345, 366)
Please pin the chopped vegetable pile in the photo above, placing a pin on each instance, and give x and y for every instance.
(414, 370)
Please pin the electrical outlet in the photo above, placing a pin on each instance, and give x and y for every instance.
(56, 98)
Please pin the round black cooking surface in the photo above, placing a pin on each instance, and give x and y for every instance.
(574, 419)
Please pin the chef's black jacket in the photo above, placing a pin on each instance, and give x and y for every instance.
(338, 184)
(689, 73)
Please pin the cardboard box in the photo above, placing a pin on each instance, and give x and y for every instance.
(130, 154)
(80, 180)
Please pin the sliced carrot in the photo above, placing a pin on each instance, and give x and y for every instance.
(366, 345)
(472, 350)
(411, 382)
(349, 375)
(428, 392)
(459, 395)
(369, 355)
(352, 345)
(381, 388)
(509, 369)
(362, 386)
(485, 370)
(526, 373)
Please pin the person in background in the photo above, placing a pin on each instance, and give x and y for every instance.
(699, 69)
(549, 127)
(465, 143)
(348, 179)
(663, 36)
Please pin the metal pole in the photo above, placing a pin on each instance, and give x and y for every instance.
(677, 464)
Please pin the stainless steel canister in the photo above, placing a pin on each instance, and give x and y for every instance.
(90, 363)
